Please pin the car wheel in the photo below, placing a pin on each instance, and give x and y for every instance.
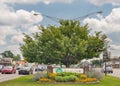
(30, 72)
(19, 73)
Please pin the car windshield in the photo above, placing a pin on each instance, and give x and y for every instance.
(25, 67)
(8, 67)
(1, 66)
(108, 66)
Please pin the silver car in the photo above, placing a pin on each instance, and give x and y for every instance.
(107, 69)
(25, 70)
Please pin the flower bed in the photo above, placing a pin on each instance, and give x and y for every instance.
(66, 77)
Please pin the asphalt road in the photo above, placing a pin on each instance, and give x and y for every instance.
(6, 77)
(116, 73)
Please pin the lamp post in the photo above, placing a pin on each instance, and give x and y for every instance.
(119, 62)
(106, 55)
(58, 19)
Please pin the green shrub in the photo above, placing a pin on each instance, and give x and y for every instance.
(59, 78)
(72, 78)
(68, 74)
(66, 78)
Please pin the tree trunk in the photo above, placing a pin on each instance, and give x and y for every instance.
(67, 62)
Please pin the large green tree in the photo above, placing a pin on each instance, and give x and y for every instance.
(67, 43)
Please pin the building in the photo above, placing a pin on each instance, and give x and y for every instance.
(6, 61)
(115, 62)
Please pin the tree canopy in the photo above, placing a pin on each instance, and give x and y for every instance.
(9, 54)
(65, 44)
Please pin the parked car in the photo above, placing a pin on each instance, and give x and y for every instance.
(108, 69)
(41, 68)
(1, 67)
(8, 69)
(25, 70)
(18, 67)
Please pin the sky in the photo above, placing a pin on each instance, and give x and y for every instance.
(16, 18)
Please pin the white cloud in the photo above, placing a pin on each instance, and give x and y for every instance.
(33, 29)
(4, 32)
(115, 50)
(13, 23)
(2, 42)
(101, 2)
(115, 47)
(109, 24)
(18, 18)
(17, 38)
(35, 1)
(14, 49)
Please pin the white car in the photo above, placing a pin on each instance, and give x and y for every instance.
(108, 69)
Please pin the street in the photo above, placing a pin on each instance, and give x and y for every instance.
(116, 73)
(6, 77)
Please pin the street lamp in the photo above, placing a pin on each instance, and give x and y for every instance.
(58, 19)
(119, 62)
(106, 55)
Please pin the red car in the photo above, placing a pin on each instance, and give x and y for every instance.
(8, 69)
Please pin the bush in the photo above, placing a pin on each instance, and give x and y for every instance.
(94, 74)
(68, 74)
(70, 78)
(39, 75)
(59, 79)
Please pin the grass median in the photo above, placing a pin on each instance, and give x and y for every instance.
(29, 81)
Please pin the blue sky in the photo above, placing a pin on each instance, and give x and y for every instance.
(17, 18)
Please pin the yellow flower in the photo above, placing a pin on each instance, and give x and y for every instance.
(83, 76)
(45, 80)
(52, 75)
